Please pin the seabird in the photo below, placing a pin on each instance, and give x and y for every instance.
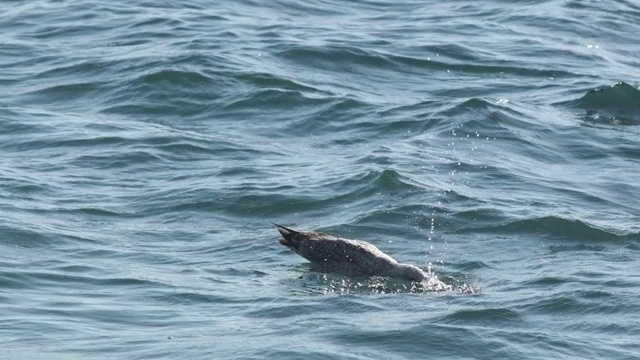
(349, 257)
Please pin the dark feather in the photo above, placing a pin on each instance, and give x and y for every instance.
(286, 228)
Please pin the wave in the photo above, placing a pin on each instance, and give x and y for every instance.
(579, 302)
(273, 99)
(618, 104)
(618, 97)
(482, 317)
(357, 60)
(555, 227)
(286, 198)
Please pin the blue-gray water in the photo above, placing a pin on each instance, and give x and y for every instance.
(146, 147)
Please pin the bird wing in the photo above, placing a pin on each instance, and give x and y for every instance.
(322, 248)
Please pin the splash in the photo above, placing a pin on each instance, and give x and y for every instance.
(332, 283)
(378, 285)
(432, 283)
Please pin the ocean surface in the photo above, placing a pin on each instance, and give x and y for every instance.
(146, 148)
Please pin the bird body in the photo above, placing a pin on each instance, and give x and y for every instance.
(346, 256)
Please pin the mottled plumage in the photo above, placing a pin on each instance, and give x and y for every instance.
(350, 257)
